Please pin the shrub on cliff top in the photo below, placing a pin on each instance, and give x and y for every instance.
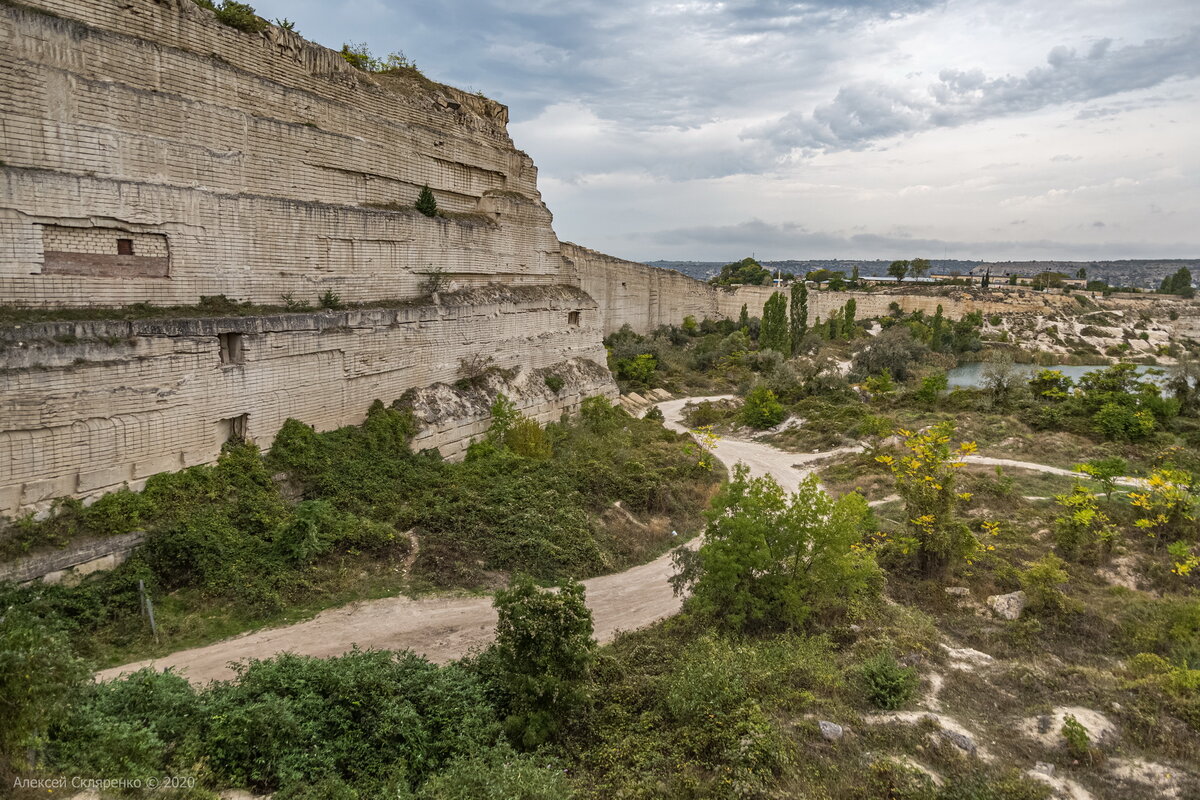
(236, 15)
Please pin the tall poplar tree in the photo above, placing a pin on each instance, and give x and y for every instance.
(775, 334)
(849, 322)
(799, 312)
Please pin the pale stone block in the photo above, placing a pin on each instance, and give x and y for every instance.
(102, 478)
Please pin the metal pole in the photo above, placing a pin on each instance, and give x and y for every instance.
(148, 608)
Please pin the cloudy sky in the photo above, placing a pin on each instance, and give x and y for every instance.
(982, 129)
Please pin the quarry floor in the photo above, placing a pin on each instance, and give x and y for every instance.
(445, 628)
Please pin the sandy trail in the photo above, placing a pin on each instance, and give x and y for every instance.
(445, 628)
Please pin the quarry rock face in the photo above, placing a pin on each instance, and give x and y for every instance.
(158, 156)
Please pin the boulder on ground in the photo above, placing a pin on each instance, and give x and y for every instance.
(830, 730)
(1007, 606)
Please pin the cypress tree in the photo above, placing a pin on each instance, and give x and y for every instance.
(426, 203)
(936, 333)
(835, 324)
(744, 318)
(774, 334)
(849, 322)
(799, 312)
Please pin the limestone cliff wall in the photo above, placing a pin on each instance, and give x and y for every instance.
(88, 406)
(638, 295)
(255, 158)
(644, 297)
(150, 154)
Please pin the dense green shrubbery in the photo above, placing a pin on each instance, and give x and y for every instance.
(379, 722)
(525, 499)
(772, 561)
(1116, 403)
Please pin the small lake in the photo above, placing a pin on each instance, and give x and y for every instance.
(970, 376)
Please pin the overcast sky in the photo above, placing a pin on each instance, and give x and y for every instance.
(981, 129)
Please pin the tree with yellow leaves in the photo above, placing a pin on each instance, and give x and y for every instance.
(1082, 531)
(1167, 507)
(925, 480)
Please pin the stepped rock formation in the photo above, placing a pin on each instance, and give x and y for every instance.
(151, 154)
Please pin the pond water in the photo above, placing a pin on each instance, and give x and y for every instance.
(970, 376)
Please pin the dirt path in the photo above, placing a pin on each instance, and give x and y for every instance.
(762, 459)
(445, 628)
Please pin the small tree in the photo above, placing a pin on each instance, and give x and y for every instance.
(932, 387)
(1082, 531)
(771, 560)
(898, 269)
(918, 267)
(925, 480)
(427, 203)
(1051, 385)
(1167, 508)
(545, 650)
(1105, 471)
(1000, 378)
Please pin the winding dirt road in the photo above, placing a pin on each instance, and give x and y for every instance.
(445, 628)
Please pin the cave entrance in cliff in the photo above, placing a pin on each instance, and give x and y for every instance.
(233, 429)
(573, 318)
(231, 348)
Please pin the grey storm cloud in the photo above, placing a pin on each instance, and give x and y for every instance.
(866, 112)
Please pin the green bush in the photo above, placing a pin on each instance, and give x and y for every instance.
(1122, 423)
(544, 651)
(762, 409)
(931, 389)
(1043, 583)
(1079, 744)
(554, 383)
(638, 370)
(427, 203)
(240, 16)
(499, 774)
(772, 561)
(367, 717)
(38, 672)
(886, 684)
